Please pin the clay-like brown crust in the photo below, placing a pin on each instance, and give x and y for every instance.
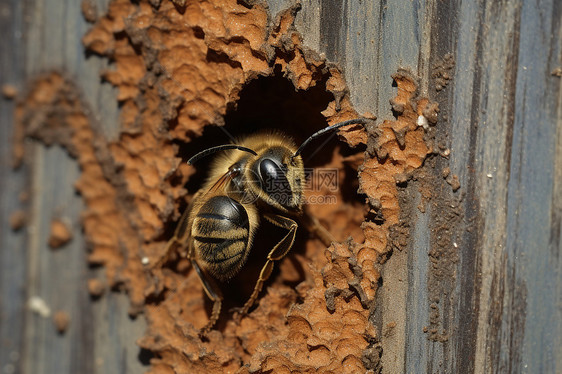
(178, 68)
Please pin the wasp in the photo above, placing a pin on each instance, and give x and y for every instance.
(260, 178)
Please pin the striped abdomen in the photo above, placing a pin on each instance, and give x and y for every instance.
(220, 233)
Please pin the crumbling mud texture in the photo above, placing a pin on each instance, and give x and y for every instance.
(398, 148)
(179, 68)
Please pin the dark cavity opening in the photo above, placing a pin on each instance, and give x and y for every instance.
(269, 103)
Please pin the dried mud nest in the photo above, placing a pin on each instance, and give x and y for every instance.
(187, 74)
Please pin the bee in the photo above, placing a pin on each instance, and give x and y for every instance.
(261, 178)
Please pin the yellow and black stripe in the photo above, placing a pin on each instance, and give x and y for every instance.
(221, 232)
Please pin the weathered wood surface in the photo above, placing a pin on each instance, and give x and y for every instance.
(497, 287)
(40, 36)
(498, 309)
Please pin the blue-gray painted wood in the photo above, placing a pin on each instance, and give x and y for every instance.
(12, 244)
(533, 247)
(418, 269)
(42, 36)
(501, 118)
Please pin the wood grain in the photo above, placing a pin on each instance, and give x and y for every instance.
(494, 296)
(100, 338)
(499, 309)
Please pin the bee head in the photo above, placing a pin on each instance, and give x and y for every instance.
(280, 177)
(281, 171)
(275, 174)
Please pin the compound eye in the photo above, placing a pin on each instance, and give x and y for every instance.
(274, 181)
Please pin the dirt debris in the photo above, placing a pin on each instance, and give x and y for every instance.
(39, 306)
(18, 219)
(442, 71)
(451, 179)
(9, 91)
(96, 288)
(60, 233)
(89, 10)
(61, 319)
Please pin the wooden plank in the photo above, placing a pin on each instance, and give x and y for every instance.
(533, 246)
(371, 41)
(502, 122)
(498, 309)
(100, 337)
(12, 244)
(491, 96)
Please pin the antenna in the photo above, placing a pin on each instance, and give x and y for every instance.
(359, 121)
(218, 148)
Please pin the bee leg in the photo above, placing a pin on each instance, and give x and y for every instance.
(180, 237)
(172, 243)
(314, 226)
(276, 254)
(213, 292)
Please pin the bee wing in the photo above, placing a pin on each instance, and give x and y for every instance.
(223, 181)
